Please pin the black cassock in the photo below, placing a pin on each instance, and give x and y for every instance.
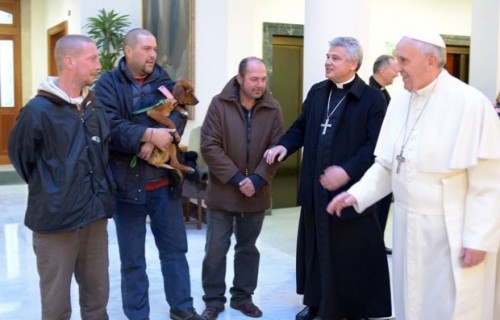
(341, 262)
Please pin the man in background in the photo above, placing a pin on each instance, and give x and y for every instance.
(384, 72)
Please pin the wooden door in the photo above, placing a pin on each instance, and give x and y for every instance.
(457, 62)
(10, 71)
(54, 34)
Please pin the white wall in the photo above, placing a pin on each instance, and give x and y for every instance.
(485, 48)
(324, 21)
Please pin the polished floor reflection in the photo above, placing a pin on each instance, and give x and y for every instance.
(19, 294)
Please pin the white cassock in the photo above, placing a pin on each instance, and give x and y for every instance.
(446, 196)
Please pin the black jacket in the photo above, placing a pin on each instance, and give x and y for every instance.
(62, 154)
(352, 149)
(118, 91)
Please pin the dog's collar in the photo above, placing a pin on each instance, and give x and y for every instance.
(154, 106)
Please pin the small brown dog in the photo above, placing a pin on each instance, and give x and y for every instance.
(183, 92)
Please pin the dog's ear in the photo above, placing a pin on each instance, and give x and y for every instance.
(179, 91)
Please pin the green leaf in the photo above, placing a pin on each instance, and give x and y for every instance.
(107, 29)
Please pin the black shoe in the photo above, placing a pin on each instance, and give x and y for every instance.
(388, 251)
(188, 314)
(308, 313)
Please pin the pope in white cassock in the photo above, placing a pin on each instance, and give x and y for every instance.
(439, 153)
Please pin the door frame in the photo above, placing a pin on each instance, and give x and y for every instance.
(9, 114)
(53, 34)
(276, 29)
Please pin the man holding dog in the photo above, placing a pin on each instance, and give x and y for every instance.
(59, 146)
(241, 123)
(144, 190)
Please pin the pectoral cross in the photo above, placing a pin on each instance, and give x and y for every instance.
(400, 159)
(326, 125)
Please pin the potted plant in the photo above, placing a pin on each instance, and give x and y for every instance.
(107, 29)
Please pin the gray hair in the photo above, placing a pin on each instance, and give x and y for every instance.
(71, 45)
(352, 46)
(430, 49)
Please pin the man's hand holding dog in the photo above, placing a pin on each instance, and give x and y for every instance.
(146, 151)
(160, 138)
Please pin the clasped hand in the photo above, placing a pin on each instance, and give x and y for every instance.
(247, 187)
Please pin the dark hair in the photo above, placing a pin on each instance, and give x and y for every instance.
(382, 61)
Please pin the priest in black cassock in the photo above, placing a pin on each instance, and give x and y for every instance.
(342, 268)
(385, 70)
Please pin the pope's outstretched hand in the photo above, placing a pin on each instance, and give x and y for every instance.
(341, 201)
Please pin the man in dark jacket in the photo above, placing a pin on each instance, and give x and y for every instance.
(144, 190)
(241, 123)
(342, 268)
(59, 146)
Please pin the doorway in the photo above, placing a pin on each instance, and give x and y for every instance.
(287, 88)
(284, 57)
(457, 56)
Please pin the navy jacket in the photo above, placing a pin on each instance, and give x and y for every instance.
(119, 92)
(365, 108)
(62, 154)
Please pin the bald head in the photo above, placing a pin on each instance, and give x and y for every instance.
(69, 45)
(132, 37)
(244, 64)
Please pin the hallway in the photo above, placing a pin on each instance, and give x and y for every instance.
(275, 294)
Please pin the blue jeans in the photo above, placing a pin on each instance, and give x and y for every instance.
(220, 227)
(167, 226)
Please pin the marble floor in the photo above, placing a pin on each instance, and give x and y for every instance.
(275, 295)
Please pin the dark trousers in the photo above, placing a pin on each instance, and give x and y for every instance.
(246, 228)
